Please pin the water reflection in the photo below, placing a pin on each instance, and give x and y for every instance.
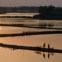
(37, 40)
(37, 49)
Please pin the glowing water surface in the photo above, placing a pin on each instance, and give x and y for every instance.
(8, 55)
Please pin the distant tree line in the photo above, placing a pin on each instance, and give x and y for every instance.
(23, 9)
(49, 12)
(45, 12)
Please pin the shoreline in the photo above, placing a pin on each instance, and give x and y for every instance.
(30, 17)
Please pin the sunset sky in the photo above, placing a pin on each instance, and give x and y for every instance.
(30, 2)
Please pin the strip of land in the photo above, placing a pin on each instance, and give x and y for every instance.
(30, 33)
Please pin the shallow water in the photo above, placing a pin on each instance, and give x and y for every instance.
(55, 41)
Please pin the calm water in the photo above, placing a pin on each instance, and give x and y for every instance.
(55, 40)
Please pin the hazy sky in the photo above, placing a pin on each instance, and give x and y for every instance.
(30, 2)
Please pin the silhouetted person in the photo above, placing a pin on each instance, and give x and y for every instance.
(43, 52)
(44, 45)
(48, 46)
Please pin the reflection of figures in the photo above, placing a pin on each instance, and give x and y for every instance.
(37, 49)
(49, 53)
(38, 52)
(43, 55)
(43, 52)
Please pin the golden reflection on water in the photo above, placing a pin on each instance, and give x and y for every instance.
(27, 56)
(8, 55)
